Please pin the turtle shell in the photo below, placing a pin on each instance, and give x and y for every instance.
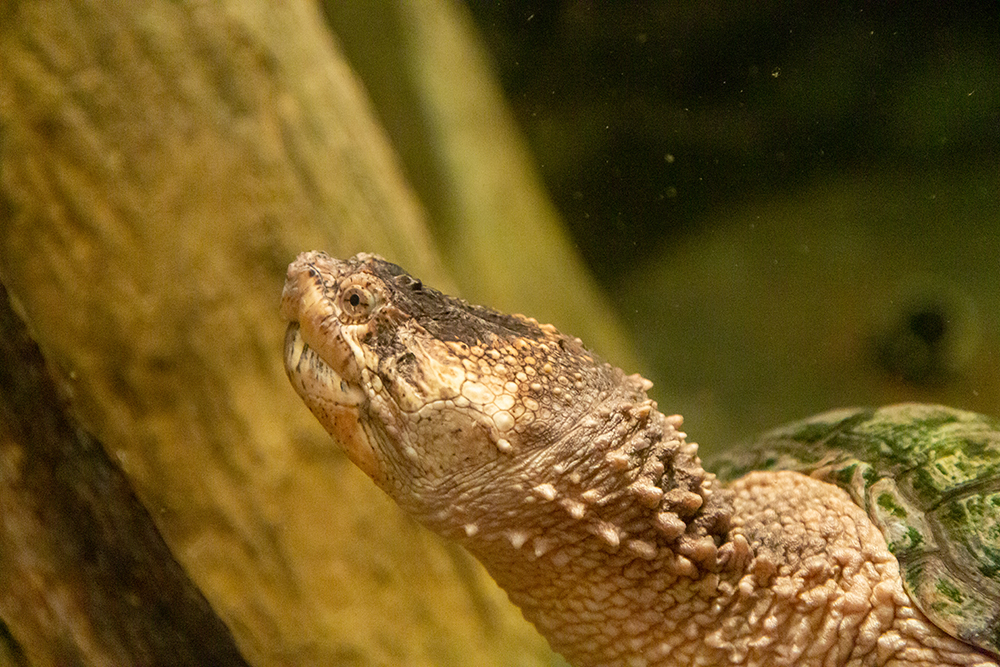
(929, 478)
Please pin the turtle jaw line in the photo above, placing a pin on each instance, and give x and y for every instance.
(311, 374)
(339, 405)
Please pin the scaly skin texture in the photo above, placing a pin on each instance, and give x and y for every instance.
(583, 501)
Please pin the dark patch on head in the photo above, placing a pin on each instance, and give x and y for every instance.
(448, 318)
(406, 364)
(398, 366)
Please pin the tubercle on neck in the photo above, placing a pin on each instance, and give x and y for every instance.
(628, 482)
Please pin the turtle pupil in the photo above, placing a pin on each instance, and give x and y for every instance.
(355, 300)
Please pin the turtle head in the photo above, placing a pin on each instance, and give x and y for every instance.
(425, 392)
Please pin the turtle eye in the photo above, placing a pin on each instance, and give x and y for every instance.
(357, 303)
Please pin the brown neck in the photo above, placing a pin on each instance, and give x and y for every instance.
(627, 494)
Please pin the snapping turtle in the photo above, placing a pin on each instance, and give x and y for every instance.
(857, 537)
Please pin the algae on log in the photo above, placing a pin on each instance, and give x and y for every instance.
(160, 164)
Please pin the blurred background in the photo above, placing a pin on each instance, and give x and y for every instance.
(794, 206)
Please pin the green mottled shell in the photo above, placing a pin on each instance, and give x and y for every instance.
(929, 477)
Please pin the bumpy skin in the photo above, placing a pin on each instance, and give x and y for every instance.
(929, 478)
(581, 499)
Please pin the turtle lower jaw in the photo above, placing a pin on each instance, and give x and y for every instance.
(312, 376)
(337, 404)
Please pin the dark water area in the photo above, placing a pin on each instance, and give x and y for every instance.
(795, 206)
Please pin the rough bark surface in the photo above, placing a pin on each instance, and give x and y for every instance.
(160, 164)
(85, 578)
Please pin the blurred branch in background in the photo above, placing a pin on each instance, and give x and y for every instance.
(85, 576)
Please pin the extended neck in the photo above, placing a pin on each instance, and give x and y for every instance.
(624, 494)
(626, 481)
